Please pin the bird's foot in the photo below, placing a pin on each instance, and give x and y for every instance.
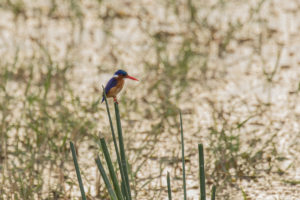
(115, 100)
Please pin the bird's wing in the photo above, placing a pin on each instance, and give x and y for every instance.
(110, 84)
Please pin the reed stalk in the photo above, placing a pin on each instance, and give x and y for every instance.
(122, 151)
(77, 171)
(201, 172)
(112, 173)
(105, 179)
(169, 187)
(213, 192)
(125, 190)
(183, 161)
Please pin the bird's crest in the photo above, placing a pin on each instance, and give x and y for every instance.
(120, 72)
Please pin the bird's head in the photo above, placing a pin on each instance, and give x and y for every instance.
(122, 74)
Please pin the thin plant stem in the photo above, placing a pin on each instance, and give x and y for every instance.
(125, 192)
(105, 179)
(122, 150)
(169, 187)
(111, 169)
(77, 171)
(183, 161)
(213, 192)
(201, 172)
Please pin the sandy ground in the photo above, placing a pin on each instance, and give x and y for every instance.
(237, 81)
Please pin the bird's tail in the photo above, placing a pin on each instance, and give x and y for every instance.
(102, 99)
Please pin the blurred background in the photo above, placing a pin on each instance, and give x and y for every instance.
(232, 67)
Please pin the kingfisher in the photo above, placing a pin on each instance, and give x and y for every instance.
(116, 83)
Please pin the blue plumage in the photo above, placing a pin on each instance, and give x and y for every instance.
(115, 84)
(121, 72)
(111, 83)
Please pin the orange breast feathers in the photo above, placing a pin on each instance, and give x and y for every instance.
(115, 90)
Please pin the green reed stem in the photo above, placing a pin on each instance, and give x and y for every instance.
(77, 171)
(111, 169)
(122, 150)
(169, 187)
(183, 161)
(105, 179)
(201, 172)
(213, 192)
(125, 192)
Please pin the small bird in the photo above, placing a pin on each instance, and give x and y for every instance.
(116, 83)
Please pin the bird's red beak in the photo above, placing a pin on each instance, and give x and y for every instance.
(130, 77)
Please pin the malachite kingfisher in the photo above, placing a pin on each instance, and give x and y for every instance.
(115, 84)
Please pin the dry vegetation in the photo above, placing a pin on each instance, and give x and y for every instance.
(232, 67)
